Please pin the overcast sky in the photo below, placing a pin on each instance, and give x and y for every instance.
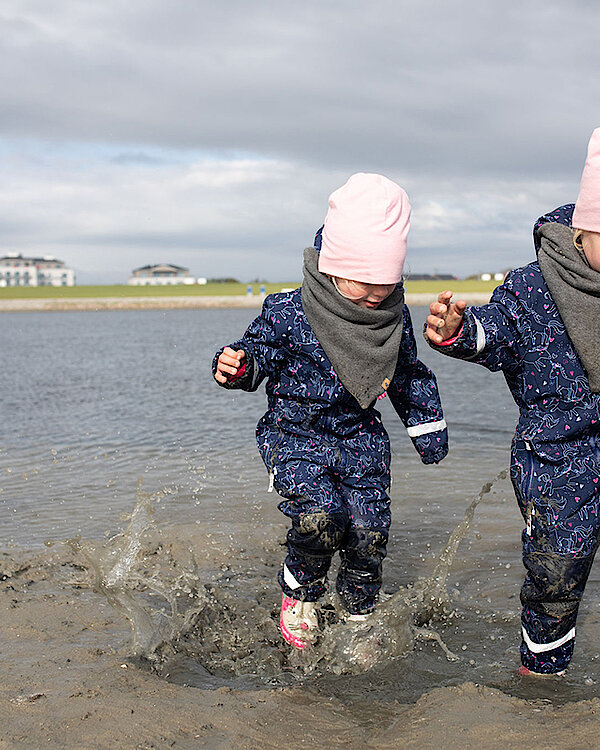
(210, 134)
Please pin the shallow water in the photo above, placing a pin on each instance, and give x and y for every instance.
(95, 401)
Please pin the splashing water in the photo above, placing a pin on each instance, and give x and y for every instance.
(391, 631)
(117, 573)
(228, 621)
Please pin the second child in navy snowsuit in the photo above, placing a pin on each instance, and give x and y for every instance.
(327, 351)
(542, 330)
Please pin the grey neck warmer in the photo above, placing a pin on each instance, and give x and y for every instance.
(362, 344)
(575, 288)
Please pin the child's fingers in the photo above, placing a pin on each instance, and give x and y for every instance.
(229, 352)
(229, 363)
(432, 334)
(228, 369)
(434, 326)
(231, 357)
(225, 359)
(460, 306)
(434, 322)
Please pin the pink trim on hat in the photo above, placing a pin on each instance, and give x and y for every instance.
(365, 230)
(587, 209)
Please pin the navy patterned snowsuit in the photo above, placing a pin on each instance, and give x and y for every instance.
(555, 466)
(328, 458)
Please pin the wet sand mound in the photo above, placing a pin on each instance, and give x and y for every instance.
(68, 682)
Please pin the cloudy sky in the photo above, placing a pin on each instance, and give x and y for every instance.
(210, 134)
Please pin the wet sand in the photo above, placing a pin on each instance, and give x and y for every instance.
(68, 682)
(173, 303)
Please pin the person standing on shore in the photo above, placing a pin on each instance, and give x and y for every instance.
(328, 351)
(542, 330)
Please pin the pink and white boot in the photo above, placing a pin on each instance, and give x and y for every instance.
(299, 623)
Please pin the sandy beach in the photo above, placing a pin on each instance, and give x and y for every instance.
(173, 303)
(68, 682)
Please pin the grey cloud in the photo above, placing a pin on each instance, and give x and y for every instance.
(138, 157)
(463, 86)
(482, 110)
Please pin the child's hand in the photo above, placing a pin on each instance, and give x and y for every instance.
(445, 319)
(229, 363)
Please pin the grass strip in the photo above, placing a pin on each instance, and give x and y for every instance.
(463, 286)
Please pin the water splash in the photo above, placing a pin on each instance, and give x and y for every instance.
(124, 576)
(391, 631)
(228, 622)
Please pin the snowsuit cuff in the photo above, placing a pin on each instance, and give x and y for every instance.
(432, 446)
(242, 379)
(466, 344)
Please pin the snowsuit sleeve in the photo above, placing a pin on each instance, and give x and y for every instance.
(262, 344)
(415, 397)
(491, 333)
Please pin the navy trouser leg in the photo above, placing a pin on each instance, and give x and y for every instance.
(558, 494)
(364, 545)
(319, 520)
(335, 495)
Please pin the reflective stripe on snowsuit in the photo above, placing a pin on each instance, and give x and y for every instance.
(555, 459)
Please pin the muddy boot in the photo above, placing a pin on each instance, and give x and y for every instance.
(522, 671)
(347, 617)
(298, 622)
(358, 642)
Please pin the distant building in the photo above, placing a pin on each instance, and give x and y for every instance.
(161, 275)
(17, 270)
(490, 276)
(431, 277)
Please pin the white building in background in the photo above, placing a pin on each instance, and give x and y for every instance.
(494, 276)
(17, 270)
(161, 275)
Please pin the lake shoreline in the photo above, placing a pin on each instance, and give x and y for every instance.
(97, 304)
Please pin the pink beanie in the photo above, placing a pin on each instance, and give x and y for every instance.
(587, 209)
(364, 236)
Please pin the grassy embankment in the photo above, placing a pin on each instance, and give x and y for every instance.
(216, 290)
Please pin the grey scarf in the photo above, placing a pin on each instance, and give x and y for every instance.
(362, 344)
(575, 287)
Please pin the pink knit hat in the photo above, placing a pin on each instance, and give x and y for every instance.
(587, 209)
(364, 236)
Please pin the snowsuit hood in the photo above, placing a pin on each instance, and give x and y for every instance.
(561, 215)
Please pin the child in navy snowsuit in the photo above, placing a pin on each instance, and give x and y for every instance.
(542, 329)
(327, 351)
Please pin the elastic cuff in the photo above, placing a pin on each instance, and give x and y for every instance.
(547, 662)
(239, 374)
(308, 592)
(454, 338)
